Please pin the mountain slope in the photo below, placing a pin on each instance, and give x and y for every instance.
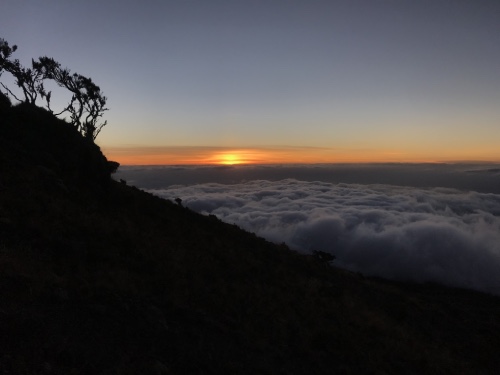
(98, 277)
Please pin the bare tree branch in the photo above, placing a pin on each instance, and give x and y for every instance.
(10, 92)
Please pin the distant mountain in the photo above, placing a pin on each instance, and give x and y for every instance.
(97, 277)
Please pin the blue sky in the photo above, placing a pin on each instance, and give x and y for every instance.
(368, 80)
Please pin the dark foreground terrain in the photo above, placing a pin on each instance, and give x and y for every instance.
(97, 277)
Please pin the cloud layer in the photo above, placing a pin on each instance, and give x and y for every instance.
(484, 178)
(438, 235)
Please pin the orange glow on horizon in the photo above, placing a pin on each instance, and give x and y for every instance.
(276, 155)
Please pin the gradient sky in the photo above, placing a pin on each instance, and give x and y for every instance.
(228, 81)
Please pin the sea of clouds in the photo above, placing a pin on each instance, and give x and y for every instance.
(441, 235)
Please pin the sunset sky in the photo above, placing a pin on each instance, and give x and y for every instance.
(231, 81)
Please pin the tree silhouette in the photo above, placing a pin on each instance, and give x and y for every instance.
(5, 52)
(87, 104)
(29, 80)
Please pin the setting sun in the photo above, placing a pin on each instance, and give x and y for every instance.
(237, 157)
(230, 159)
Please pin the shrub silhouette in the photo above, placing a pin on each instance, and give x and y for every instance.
(113, 166)
(323, 256)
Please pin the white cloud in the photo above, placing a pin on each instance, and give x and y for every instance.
(440, 235)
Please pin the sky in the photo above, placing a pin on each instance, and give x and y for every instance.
(278, 81)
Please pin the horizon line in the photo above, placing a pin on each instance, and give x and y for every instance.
(270, 155)
(457, 162)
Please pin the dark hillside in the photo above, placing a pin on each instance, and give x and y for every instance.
(97, 277)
